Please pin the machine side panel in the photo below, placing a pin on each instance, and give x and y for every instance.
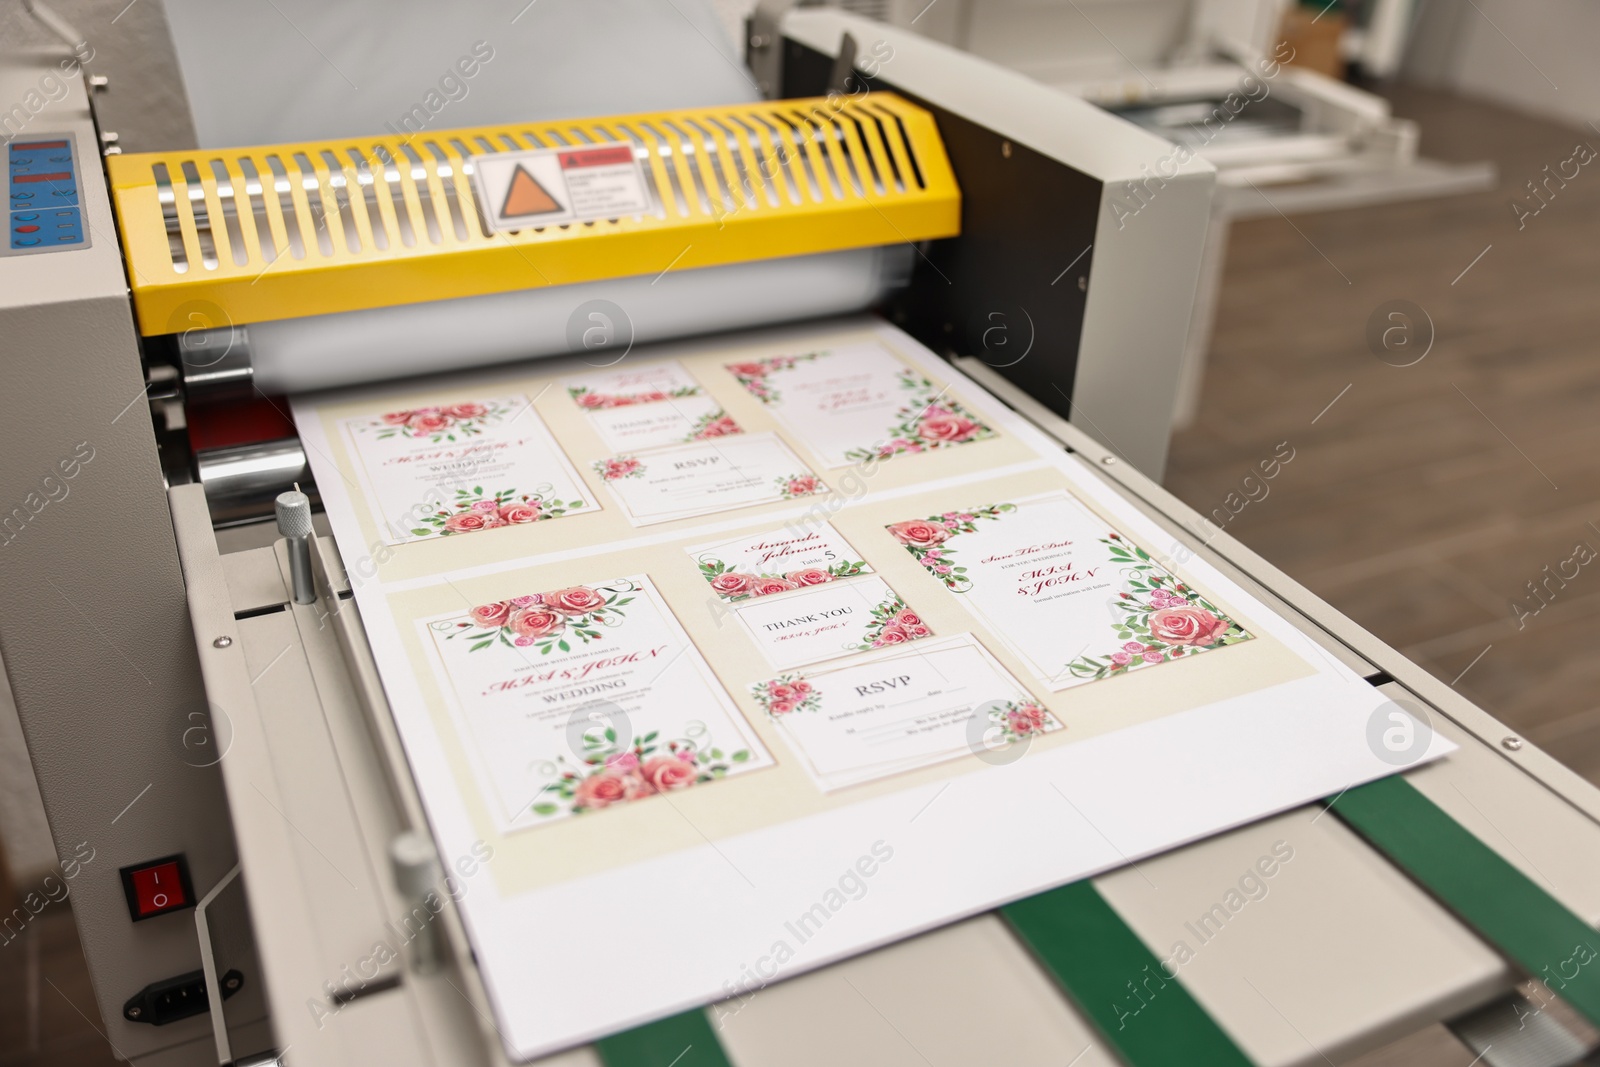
(1003, 290)
(94, 627)
(1075, 271)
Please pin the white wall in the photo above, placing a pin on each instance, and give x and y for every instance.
(1533, 55)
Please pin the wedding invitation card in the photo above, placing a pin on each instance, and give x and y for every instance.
(449, 469)
(858, 402)
(1076, 600)
(581, 698)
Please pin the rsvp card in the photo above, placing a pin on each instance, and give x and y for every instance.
(1076, 600)
(870, 719)
(443, 470)
(859, 402)
(706, 477)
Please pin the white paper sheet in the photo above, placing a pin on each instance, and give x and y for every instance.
(705, 884)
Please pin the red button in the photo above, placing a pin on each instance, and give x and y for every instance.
(158, 889)
(27, 229)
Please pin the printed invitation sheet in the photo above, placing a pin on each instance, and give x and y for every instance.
(858, 402)
(543, 681)
(887, 618)
(447, 469)
(1078, 601)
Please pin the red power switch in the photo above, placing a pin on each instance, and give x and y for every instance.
(157, 887)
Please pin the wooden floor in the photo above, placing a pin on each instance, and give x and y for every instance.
(1420, 503)
(1426, 498)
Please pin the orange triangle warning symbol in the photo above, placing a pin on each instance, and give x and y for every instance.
(526, 197)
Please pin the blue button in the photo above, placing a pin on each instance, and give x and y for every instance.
(23, 242)
(28, 218)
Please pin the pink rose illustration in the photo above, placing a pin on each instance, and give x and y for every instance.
(781, 707)
(1186, 626)
(606, 788)
(398, 418)
(536, 623)
(808, 576)
(491, 616)
(525, 601)
(768, 586)
(467, 521)
(430, 423)
(732, 583)
(723, 427)
(1121, 659)
(665, 773)
(801, 688)
(919, 533)
(655, 396)
(802, 485)
(946, 427)
(485, 505)
(907, 617)
(591, 400)
(578, 600)
(1133, 646)
(618, 468)
(623, 762)
(1027, 719)
(781, 691)
(516, 514)
(748, 370)
(1152, 656)
(466, 411)
(891, 635)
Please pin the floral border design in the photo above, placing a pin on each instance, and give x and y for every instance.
(927, 540)
(893, 623)
(438, 424)
(590, 400)
(471, 511)
(794, 486)
(753, 374)
(785, 694)
(608, 773)
(1019, 719)
(734, 586)
(928, 420)
(619, 467)
(545, 621)
(713, 424)
(1163, 619)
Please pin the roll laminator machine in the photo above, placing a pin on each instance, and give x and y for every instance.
(149, 622)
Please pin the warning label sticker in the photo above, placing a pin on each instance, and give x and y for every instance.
(551, 186)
